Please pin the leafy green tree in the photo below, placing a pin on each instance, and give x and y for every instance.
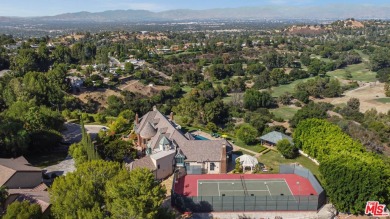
(23, 210)
(212, 127)
(3, 197)
(311, 110)
(247, 134)
(285, 98)
(287, 149)
(353, 178)
(83, 191)
(85, 149)
(129, 68)
(320, 138)
(113, 149)
(134, 194)
(387, 89)
(254, 99)
(26, 60)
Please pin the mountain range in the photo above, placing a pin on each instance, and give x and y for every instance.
(341, 11)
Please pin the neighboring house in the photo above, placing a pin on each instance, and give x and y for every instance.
(166, 147)
(75, 82)
(37, 195)
(23, 182)
(273, 137)
(18, 173)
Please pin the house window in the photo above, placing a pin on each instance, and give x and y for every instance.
(158, 166)
(179, 160)
(188, 164)
(212, 166)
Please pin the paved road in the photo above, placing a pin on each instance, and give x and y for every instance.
(72, 134)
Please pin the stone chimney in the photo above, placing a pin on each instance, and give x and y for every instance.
(171, 116)
(136, 119)
(223, 166)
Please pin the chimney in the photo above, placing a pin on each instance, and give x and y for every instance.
(171, 116)
(136, 119)
(223, 168)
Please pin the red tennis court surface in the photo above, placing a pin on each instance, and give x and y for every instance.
(188, 185)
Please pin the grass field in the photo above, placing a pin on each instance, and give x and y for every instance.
(279, 90)
(272, 159)
(359, 72)
(255, 148)
(384, 100)
(186, 89)
(285, 112)
(241, 152)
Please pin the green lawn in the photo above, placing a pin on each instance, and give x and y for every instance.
(281, 89)
(255, 148)
(383, 100)
(241, 152)
(272, 159)
(227, 99)
(359, 72)
(44, 160)
(285, 112)
(186, 89)
(364, 56)
(320, 58)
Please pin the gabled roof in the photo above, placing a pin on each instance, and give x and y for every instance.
(8, 167)
(275, 136)
(164, 141)
(38, 195)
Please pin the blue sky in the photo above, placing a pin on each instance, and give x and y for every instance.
(23, 8)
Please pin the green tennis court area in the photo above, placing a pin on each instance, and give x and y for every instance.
(244, 187)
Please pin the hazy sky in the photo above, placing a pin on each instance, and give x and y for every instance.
(25, 8)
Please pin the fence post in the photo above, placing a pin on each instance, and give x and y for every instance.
(254, 207)
(233, 203)
(266, 202)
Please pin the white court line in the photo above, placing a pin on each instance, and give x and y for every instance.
(245, 182)
(290, 190)
(269, 192)
(243, 190)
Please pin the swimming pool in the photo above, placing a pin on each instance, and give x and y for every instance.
(198, 137)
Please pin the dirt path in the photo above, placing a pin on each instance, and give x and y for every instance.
(367, 94)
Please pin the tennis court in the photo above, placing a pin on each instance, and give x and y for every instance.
(243, 187)
(294, 189)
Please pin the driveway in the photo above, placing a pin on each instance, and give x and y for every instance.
(71, 135)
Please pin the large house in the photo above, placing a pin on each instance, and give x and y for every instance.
(166, 147)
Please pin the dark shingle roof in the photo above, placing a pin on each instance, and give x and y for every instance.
(8, 167)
